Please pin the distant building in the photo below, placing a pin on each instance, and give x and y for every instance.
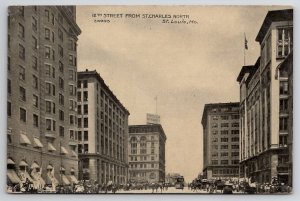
(42, 77)
(153, 119)
(265, 107)
(102, 131)
(146, 153)
(220, 123)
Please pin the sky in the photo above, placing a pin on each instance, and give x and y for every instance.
(185, 65)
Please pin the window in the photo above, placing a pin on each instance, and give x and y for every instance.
(21, 52)
(61, 99)
(80, 137)
(47, 34)
(85, 83)
(53, 55)
(214, 162)
(283, 88)
(60, 51)
(61, 67)
(34, 63)
(21, 33)
(214, 154)
(282, 140)
(61, 115)
(79, 96)
(235, 154)
(224, 139)
(71, 60)
(79, 123)
(61, 131)
(235, 146)
(224, 125)
(235, 125)
(283, 123)
(61, 83)
(47, 52)
(21, 10)
(215, 132)
(72, 119)
(35, 100)
(22, 114)
(234, 139)
(215, 140)
(60, 35)
(53, 72)
(35, 82)
(8, 63)
(235, 162)
(47, 15)
(85, 96)
(9, 86)
(235, 116)
(284, 41)
(21, 73)
(224, 117)
(79, 109)
(224, 146)
(85, 123)
(71, 74)
(48, 106)
(224, 132)
(34, 43)
(52, 18)
(8, 109)
(22, 93)
(34, 24)
(85, 109)
(72, 135)
(71, 90)
(35, 120)
(224, 154)
(214, 125)
(85, 136)
(48, 124)
(224, 162)
(234, 132)
(283, 106)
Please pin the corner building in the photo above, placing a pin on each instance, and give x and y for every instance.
(147, 153)
(264, 103)
(102, 131)
(220, 123)
(41, 102)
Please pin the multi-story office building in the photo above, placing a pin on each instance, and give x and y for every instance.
(146, 153)
(41, 103)
(102, 131)
(264, 100)
(220, 123)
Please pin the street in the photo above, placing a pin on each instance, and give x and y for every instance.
(170, 190)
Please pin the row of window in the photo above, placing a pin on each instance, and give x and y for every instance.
(224, 162)
(233, 139)
(140, 158)
(225, 132)
(225, 171)
(223, 146)
(224, 154)
(225, 117)
(224, 125)
(142, 165)
(142, 151)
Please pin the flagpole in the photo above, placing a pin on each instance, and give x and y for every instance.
(244, 49)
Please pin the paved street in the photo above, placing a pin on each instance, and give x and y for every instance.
(170, 190)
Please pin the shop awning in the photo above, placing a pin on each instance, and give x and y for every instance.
(12, 176)
(74, 154)
(51, 147)
(34, 165)
(23, 163)
(65, 180)
(10, 162)
(73, 179)
(62, 169)
(24, 139)
(49, 167)
(63, 150)
(37, 143)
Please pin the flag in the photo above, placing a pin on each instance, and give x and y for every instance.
(246, 43)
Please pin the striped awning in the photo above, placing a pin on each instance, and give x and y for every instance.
(37, 143)
(65, 180)
(10, 162)
(12, 176)
(51, 147)
(73, 179)
(34, 165)
(24, 139)
(63, 150)
(23, 163)
(74, 154)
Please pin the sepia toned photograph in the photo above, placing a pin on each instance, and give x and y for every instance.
(184, 99)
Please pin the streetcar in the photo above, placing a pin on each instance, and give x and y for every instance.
(179, 182)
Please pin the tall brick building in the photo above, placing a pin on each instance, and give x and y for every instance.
(102, 131)
(41, 102)
(147, 153)
(220, 123)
